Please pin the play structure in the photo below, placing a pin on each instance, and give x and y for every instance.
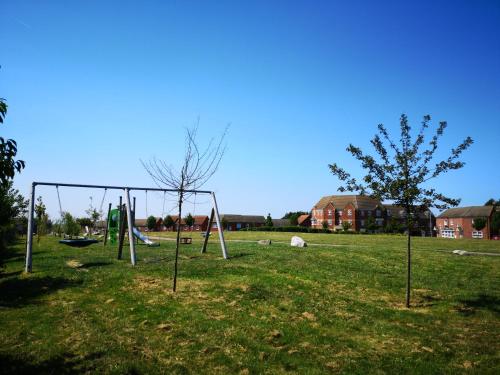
(119, 220)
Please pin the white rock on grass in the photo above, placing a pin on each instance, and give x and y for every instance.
(298, 242)
(460, 252)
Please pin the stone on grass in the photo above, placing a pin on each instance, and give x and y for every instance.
(265, 242)
(298, 242)
(460, 252)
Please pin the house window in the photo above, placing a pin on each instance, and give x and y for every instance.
(451, 223)
(330, 221)
(214, 225)
(329, 212)
(378, 213)
(238, 226)
(448, 233)
(477, 234)
(340, 213)
(362, 212)
(340, 221)
(362, 223)
(389, 213)
(313, 221)
(349, 212)
(446, 223)
(369, 213)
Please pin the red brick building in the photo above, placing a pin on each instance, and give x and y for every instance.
(458, 222)
(361, 211)
(237, 222)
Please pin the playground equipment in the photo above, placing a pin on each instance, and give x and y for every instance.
(78, 242)
(127, 189)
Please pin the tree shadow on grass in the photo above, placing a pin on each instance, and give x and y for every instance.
(96, 264)
(481, 302)
(240, 255)
(65, 363)
(18, 292)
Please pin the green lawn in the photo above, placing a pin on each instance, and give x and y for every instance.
(337, 307)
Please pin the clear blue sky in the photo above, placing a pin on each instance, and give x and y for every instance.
(94, 86)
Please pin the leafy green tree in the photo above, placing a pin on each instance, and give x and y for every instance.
(168, 222)
(401, 171)
(69, 225)
(479, 223)
(269, 221)
(189, 220)
(346, 226)
(324, 224)
(293, 216)
(492, 202)
(13, 206)
(151, 223)
(8, 151)
(371, 225)
(84, 222)
(42, 219)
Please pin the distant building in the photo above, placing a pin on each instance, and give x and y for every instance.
(237, 222)
(459, 222)
(361, 211)
(304, 220)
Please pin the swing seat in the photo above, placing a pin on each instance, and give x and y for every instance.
(186, 240)
(78, 242)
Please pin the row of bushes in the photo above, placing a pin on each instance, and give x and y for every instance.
(319, 230)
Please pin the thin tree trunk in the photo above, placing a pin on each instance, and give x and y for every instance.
(181, 194)
(408, 270)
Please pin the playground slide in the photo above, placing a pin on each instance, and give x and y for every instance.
(142, 237)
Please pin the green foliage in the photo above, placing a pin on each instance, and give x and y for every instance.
(8, 151)
(346, 226)
(371, 225)
(41, 218)
(151, 222)
(393, 226)
(293, 216)
(168, 222)
(189, 220)
(269, 221)
(84, 221)
(479, 223)
(492, 202)
(13, 206)
(495, 223)
(324, 224)
(69, 226)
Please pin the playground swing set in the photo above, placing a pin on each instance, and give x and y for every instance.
(119, 220)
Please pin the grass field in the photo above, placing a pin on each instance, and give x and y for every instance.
(334, 307)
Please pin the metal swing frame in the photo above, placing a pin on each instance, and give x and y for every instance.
(127, 189)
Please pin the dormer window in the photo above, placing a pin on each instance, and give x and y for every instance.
(349, 212)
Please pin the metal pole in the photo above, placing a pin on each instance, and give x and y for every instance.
(29, 235)
(107, 224)
(219, 227)
(130, 228)
(207, 232)
(430, 223)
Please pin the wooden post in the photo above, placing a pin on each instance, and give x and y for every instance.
(106, 229)
(207, 233)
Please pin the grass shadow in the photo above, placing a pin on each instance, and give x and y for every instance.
(240, 255)
(483, 301)
(20, 292)
(96, 264)
(65, 363)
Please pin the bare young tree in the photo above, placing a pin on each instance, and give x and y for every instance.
(198, 166)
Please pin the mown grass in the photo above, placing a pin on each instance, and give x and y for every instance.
(336, 307)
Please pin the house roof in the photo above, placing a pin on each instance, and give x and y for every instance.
(243, 218)
(302, 218)
(360, 202)
(471, 211)
(143, 222)
(198, 219)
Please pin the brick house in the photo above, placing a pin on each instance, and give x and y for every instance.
(237, 222)
(360, 210)
(200, 224)
(458, 222)
(141, 224)
(304, 220)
